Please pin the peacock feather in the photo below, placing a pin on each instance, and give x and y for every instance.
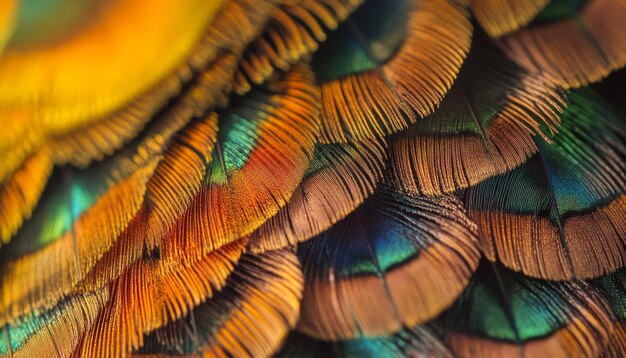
(313, 178)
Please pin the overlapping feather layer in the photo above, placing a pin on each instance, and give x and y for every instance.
(346, 178)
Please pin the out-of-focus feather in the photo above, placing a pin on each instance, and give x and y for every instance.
(81, 95)
(21, 192)
(485, 126)
(265, 142)
(419, 341)
(79, 138)
(185, 150)
(339, 178)
(202, 83)
(389, 64)
(166, 134)
(54, 332)
(250, 317)
(172, 136)
(504, 314)
(8, 10)
(577, 42)
(77, 223)
(500, 17)
(148, 296)
(563, 213)
(21, 143)
(206, 90)
(294, 31)
(365, 274)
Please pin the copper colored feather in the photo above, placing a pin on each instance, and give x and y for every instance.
(312, 178)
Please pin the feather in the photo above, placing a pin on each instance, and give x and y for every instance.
(148, 296)
(129, 248)
(503, 314)
(122, 198)
(614, 286)
(82, 214)
(562, 214)
(264, 146)
(485, 126)
(185, 148)
(101, 119)
(391, 62)
(617, 344)
(17, 142)
(577, 42)
(8, 12)
(294, 31)
(171, 135)
(21, 192)
(82, 95)
(54, 332)
(251, 316)
(339, 178)
(418, 341)
(168, 135)
(178, 177)
(311, 178)
(364, 275)
(200, 84)
(500, 17)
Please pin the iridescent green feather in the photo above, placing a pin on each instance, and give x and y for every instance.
(505, 313)
(581, 170)
(557, 10)
(368, 39)
(68, 195)
(417, 341)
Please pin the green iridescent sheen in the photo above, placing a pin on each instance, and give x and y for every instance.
(382, 233)
(237, 138)
(377, 248)
(555, 182)
(614, 287)
(418, 341)
(321, 157)
(67, 196)
(557, 10)
(371, 36)
(18, 334)
(480, 91)
(521, 309)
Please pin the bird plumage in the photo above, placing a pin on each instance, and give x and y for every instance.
(441, 178)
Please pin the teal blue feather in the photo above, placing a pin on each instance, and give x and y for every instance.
(384, 248)
(502, 312)
(554, 199)
(368, 39)
(417, 341)
(557, 10)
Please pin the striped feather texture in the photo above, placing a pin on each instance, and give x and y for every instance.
(342, 178)
(577, 46)
(540, 217)
(364, 275)
(485, 126)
